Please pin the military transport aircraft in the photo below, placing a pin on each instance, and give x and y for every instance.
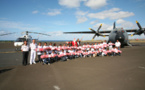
(115, 34)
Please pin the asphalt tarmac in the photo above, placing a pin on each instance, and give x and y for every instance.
(125, 72)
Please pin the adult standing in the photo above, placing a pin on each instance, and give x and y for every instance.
(74, 42)
(39, 53)
(118, 44)
(69, 43)
(79, 41)
(33, 46)
(25, 50)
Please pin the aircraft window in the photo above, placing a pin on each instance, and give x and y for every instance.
(20, 40)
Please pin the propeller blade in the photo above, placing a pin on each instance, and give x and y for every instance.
(94, 37)
(99, 27)
(92, 29)
(102, 35)
(114, 25)
(39, 33)
(138, 24)
(6, 34)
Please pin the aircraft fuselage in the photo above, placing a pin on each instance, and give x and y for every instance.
(118, 34)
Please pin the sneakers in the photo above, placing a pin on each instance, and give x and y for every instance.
(48, 63)
(34, 63)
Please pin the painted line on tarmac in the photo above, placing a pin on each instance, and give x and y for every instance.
(141, 67)
(56, 87)
(10, 52)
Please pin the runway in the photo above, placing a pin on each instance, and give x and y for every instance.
(124, 72)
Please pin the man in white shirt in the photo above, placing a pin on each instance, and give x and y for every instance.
(117, 44)
(33, 46)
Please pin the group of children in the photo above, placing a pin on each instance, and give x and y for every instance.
(52, 53)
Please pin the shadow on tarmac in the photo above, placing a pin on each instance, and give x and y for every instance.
(5, 70)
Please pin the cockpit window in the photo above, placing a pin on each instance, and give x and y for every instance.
(20, 40)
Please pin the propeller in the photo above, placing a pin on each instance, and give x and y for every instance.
(34, 33)
(6, 34)
(97, 32)
(140, 31)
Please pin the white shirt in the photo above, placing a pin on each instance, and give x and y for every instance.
(62, 53)
(39, 53)
(50, 46)
(104, 43)
(45, 46)
(33, 46)
(110, 45)
(70, 51)
(25, 48)
(117, 44)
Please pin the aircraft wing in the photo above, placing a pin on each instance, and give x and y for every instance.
(131, 30)
(105, 31)
(106, 35)
(86, 32)
(81, 32)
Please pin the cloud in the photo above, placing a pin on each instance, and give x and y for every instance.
(81, 19)
(113, 13)
(119, 24)
(125, 24)
(54, 12)
(17, 25)
(95, 4)
(81, 16)
(93, 22)
(55, 33)
(70, 3)
(104, 26)
(3, 32)
(35, 12)
(80, 13)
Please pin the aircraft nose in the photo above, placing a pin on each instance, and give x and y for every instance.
(120, 38)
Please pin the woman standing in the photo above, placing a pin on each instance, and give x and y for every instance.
(79, 41)
(39, 53)
(25, 50)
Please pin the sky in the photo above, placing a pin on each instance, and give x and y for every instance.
(54, 17)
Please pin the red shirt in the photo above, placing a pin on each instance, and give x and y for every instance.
(74, 43)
